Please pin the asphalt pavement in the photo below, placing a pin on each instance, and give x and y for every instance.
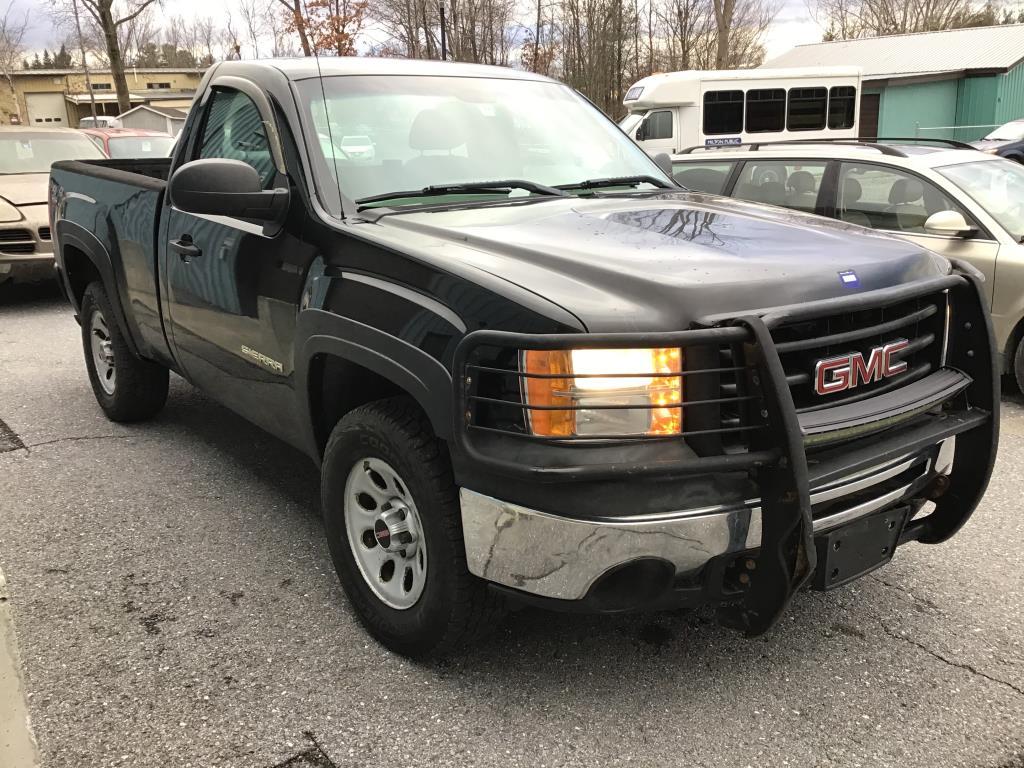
(175, 605)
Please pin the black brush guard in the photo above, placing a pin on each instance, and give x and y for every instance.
(777, 453)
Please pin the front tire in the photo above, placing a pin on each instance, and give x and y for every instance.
(126, 387)
(394, 528)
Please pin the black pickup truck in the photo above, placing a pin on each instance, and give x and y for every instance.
(531, 368)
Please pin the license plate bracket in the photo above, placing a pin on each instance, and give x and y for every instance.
(852, 550)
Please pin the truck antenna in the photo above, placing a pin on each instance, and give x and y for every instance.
(323, 93)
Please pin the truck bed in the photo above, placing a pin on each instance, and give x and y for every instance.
(114, 168)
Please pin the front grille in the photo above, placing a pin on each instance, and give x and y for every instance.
(14, 235)
(921, 321)
(16, 241)
(44, 233)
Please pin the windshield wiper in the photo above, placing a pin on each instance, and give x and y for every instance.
(502, 186)
(617, 181)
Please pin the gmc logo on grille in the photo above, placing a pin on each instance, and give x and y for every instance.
(837, 374)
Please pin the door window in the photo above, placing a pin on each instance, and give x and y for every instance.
(889, 198)
(703, 177)
(234, 130)
(658, 125)
(788, 183)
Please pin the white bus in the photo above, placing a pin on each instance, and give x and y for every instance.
(671, 111)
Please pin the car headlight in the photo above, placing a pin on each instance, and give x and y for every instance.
(613, 392)
(8, 212)
(991, 151)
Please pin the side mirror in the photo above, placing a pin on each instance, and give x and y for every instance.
(223, 187)
(641, 130)
(663, 161)
(949, 223)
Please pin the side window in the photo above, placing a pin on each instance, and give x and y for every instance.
(658, 125)
(889, 198)
(723, 112)
(234, 130)
(787, 183)
(703, 177)
(842, 101)
(766, 110)
(807, 109)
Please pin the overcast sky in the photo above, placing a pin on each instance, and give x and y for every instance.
(791, 27)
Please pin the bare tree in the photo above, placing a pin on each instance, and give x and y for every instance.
(12, 35)
(108, 17)
(295, 20)
(846, 19)
(230, 40)
(253, 22)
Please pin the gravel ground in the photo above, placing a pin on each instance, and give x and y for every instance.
(175, 605)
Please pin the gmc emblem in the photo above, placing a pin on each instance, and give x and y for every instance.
(837, 374)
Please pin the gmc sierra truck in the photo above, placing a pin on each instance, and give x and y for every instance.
(530, 367)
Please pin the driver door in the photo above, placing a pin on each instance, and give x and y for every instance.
(233, 285)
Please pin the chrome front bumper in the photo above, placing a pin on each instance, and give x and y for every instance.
(559, 557)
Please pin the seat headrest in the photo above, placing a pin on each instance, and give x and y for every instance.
(905, 191)
(852, 191)
(801, 181)
(773, 193)
(435, 129)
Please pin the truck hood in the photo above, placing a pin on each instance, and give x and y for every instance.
(24, 188)
(663, 262)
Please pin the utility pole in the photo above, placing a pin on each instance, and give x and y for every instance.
(85, 65)
(444, 35)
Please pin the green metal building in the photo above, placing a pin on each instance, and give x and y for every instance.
(957, 84)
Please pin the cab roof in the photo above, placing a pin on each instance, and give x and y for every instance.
(304, 68)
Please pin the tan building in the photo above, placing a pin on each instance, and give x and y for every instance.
(60, 97)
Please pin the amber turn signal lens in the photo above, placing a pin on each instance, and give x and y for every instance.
(549, 391)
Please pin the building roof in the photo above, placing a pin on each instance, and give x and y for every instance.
(98, 71)
(171, 112)
(111, 96)
(941, 55)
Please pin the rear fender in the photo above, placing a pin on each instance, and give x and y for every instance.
(76, 236)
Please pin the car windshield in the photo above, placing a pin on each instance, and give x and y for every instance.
(995, 185)
(1010, 132)
(422, 131)
(140, 146)
(30, 152)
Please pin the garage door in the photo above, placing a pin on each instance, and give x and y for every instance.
(46, 109)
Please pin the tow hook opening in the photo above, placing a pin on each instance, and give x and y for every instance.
(631, 584)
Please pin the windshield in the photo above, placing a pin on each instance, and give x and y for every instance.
(629, 123)
(35, 152)
(1010, 132)
(995, 185)
(421, 131)
(140, 146)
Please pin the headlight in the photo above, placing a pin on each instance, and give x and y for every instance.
(8, 212)
(992, 151)
(563, 383)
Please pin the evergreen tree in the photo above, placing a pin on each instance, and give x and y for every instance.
(62, 59)
(47, 61)
(36, 64)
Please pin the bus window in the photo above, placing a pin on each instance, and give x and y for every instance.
(807, 109)
(766, 110)
(723, 112)
(841, 103)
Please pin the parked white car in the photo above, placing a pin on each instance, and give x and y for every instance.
(947, 196)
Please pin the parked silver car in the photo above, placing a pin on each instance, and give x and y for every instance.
(947, 196)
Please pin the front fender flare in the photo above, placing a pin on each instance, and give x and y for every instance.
(423, 377)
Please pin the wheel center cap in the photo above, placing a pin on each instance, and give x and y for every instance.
(394, 529)
(382, 534)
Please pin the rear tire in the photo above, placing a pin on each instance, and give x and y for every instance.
(126, 387)
(384, 470)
